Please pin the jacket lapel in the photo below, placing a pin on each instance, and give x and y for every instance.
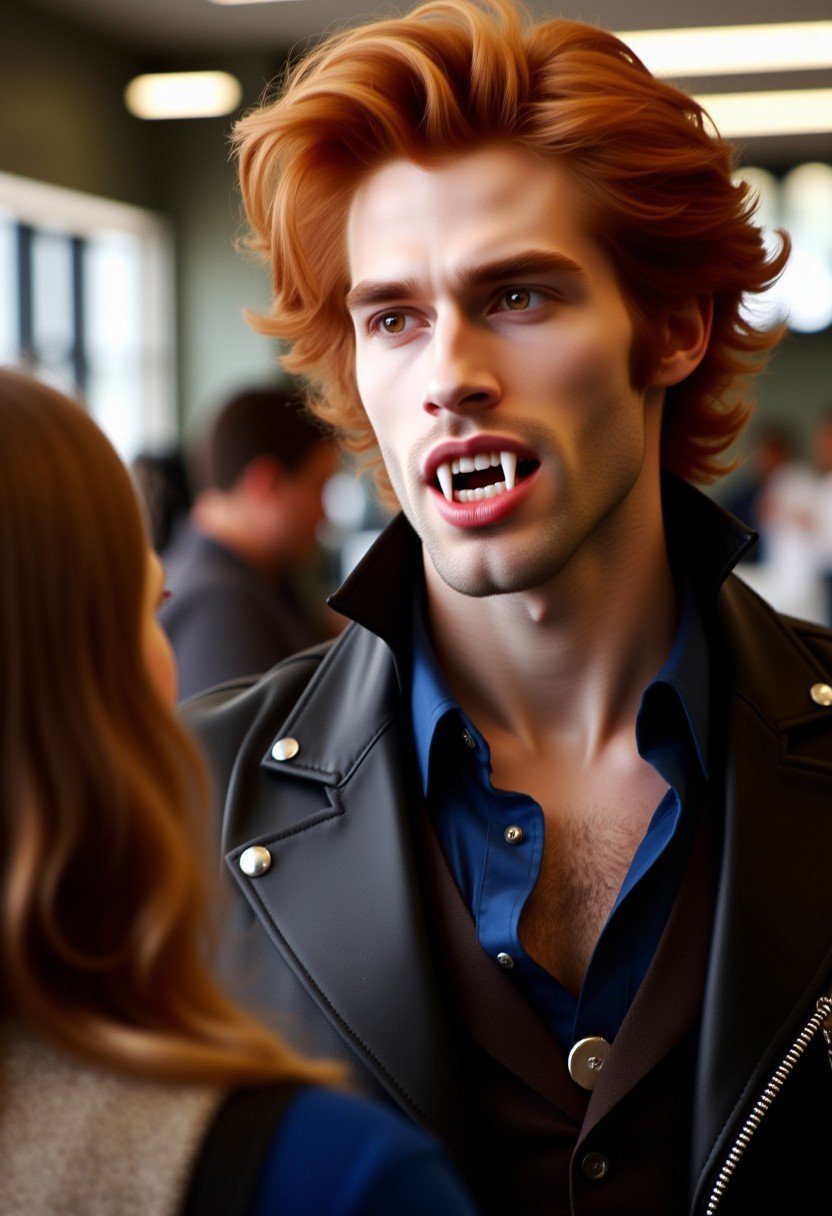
(341, 898)
(771, 952)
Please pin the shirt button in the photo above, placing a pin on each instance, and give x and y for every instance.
(505, 961)
(468, 739)
(513, 835)
(595, 1166)
(586, 1060)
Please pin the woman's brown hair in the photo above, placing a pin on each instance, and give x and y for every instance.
(451, 76)
(104, 851)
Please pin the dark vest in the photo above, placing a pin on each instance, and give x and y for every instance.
(545, 1147)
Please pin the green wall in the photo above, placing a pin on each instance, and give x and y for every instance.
(63, 121)
(62, 118)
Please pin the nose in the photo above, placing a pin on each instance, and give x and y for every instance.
(461, 379)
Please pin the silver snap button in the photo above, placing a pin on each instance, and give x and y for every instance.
(255, 861)
(468, 739)
(595, 1166)
(505, 961)
(586, 1061)
(821, 694)
(285, 749)
(513, 835)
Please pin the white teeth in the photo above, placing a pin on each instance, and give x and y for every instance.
(499, 487)
(446, 480)
(446, 472)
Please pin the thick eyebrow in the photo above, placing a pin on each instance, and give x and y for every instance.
(525, 265)
(504, 270)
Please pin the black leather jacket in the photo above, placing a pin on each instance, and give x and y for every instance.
(333, 936)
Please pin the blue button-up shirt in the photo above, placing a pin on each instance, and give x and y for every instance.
(496, 877)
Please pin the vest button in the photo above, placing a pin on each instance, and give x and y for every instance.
(821, 694)
(513, 835)
(505, 961)
(595, 1166)
(586, 1060)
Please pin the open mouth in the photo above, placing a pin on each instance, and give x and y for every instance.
(472, 478)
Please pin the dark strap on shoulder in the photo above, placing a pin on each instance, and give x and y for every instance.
(234, 1151)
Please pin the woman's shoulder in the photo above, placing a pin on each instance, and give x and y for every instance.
(337, 1154)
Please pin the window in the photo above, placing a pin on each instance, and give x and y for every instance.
(86, 303)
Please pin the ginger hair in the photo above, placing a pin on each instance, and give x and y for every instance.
(454, 75)
(106, 910)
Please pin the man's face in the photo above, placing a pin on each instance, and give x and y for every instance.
(490, 331)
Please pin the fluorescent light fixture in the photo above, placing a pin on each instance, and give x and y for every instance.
(778, 112)
(183, 95)
(730, 49)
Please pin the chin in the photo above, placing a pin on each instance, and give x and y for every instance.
(482, 578)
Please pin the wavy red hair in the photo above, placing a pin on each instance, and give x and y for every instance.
(453, 75)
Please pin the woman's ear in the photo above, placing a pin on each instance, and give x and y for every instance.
(686, 332)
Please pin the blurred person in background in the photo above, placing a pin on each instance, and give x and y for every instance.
(822, 451)
(772, 449)
(130, 1083)
(546, 831)
(783, 510)
(232, 566)
(162, 481)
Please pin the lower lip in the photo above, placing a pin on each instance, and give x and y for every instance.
(485, 511)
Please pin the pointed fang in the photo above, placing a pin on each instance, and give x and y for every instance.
(509, 462)
(446, 481)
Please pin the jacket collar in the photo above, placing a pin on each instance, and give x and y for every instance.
(379, 592)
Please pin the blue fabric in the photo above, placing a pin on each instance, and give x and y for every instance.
(338, 1155)
(496, 878)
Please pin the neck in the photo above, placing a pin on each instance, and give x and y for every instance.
(569, 659)
(229, 521)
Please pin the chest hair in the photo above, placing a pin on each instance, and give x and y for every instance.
(590, 838)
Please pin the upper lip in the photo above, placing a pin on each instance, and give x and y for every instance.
(453, 449)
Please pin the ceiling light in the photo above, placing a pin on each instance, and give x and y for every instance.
(183, 95)
(778, 112)
(728, 49)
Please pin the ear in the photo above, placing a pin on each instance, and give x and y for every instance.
(262, 476)
(686, 332)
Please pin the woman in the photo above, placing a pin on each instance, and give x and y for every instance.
(129, 1082)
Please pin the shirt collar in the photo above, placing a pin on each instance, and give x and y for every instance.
(431, 700)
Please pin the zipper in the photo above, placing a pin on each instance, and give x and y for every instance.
(820, 1019)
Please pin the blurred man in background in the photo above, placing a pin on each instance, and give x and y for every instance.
(234, 609)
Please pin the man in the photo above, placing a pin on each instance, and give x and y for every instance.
(542, 844)
(234, 610)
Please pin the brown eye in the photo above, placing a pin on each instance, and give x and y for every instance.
(517, 299)
(393, 323)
